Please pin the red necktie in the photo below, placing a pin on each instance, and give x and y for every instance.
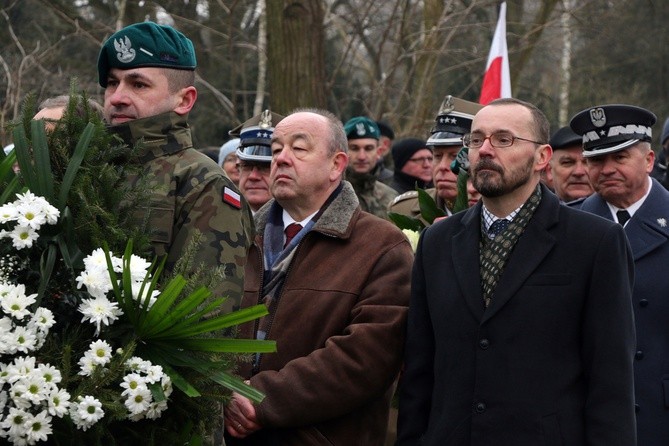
(291, 231)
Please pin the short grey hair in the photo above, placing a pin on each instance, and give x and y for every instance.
(337, 141)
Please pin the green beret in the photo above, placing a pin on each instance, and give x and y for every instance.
(145, 44)
(361, 127)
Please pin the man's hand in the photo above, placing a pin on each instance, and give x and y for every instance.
(240, 417)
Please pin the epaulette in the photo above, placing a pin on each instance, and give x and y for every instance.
(404, 196)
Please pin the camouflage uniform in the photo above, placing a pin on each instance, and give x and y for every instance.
(407, 204)
(373, 195)
(190, 194)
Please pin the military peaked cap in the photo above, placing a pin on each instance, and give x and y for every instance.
(610, 128)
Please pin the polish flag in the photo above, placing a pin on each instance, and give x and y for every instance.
(497, 82)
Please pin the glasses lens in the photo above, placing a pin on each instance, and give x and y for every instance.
(501, 139)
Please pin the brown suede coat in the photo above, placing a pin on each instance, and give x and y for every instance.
(339, 326)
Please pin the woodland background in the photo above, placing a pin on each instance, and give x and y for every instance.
(390, 59)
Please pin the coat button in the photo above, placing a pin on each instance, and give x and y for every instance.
(480, 407)
(637, 408)
(638, 355)
(484, 344)
(643, 303)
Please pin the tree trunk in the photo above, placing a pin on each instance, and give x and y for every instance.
(296, 54)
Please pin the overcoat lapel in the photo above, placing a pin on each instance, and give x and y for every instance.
(465, 258)
(649, 228)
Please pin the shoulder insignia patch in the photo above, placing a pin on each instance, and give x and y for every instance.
(404, 196)
(232, 198)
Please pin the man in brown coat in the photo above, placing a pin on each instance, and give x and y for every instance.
(337, 294)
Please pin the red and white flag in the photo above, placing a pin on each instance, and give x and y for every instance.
(497, 82)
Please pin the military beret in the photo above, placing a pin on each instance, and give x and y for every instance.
(256, 137)
(610, 128)
(361, 127)
(453, 120)
(565, 138)
(145, 44)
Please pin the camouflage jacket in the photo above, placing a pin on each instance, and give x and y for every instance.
(407, 204)
(190, 195)
(373, 195)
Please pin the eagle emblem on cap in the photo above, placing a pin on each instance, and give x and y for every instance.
(265, 119)
(598, 117)
(360, 129)
(126, 53)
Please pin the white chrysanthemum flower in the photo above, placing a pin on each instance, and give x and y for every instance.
(138, 268)
(133, 382)
(25, 198)
(43, 319)
(30, 215)
(58, 402)
(137, 286)
(51, 214)
(22, 367)
(37, 427)
(166, 383)
(13, 422)
(97, 261)
(90, 409)
(16, 303)
(87, 364)
(50, 373)
(17, 395)
(96, 281)
(155, 410)
(413, 237)
(137, 364)
(99, 311)
(3, 400)
(7, 213)
(154, 374)
(35, 388)
(101, 352)
(23, 236)
(138, 400)
(25, 339)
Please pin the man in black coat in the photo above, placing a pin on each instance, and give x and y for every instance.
(525, 337)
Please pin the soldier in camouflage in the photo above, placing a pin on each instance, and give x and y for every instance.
(147, 71)
(364, 152)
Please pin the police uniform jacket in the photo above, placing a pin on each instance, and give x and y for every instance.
(648, 234)
(549, 362)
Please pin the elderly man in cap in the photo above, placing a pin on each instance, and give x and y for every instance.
(617, 148)
(567, 170)
(520, 327)
(453, 120)
(363, 135)
(147, 71)
(255, 155)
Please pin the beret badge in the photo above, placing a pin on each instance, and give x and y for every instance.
(125, 52)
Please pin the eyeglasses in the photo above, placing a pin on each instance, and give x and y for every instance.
(497, 140)
(248, 167)
(422, 159)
